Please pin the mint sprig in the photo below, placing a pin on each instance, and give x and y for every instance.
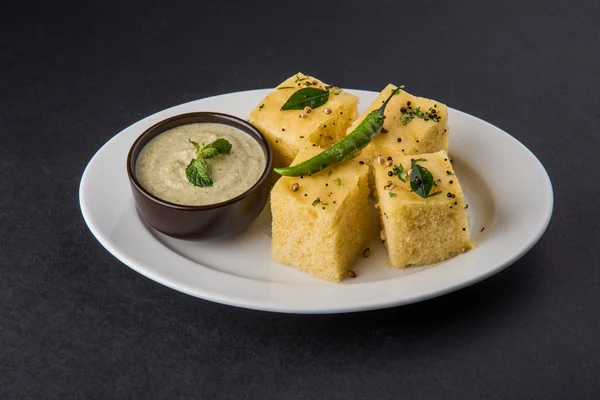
(209, 152)
(197, 172)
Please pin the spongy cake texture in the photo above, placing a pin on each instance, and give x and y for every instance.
(323, 226)
(421, 230)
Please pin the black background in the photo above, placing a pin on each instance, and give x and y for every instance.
(75, 323)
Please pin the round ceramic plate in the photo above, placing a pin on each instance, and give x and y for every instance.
(498, 175)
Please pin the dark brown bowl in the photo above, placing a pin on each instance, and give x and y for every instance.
(212, 221)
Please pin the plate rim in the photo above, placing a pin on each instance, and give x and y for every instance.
(326, 309)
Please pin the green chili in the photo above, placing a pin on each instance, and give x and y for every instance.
(346, 148)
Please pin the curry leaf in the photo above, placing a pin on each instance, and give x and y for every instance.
(312, 97)
(421, 181)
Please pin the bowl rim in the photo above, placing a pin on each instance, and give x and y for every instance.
(219, 118)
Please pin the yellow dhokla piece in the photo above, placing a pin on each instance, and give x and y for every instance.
(322, 226)
(421, 230)
(287, 133)
(417, 136)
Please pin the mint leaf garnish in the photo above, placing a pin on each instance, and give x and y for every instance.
(196, 145)
(197, 173)
(222, 145)
(209, 152)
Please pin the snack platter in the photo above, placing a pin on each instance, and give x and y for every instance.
(422, 208)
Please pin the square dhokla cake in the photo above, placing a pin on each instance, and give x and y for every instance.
(323, 225)
(407, 133)
(288, 133)
(421, 230)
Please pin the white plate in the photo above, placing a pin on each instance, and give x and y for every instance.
(507, 189)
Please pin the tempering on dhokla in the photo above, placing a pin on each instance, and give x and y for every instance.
(345, 149)
(413, 125)
(420, 230)
(320, 209)
(290, 131)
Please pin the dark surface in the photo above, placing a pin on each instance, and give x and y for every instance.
(75, 323)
